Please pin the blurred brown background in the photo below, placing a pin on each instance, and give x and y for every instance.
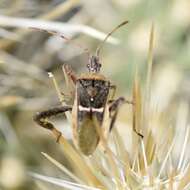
(26, 56)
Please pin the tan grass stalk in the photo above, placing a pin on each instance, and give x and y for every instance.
(62, 168)
(109, 154)
(61, 9)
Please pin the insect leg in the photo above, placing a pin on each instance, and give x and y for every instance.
(41, 118)
(69, 74)
(113, 88)
(139, 134)
(113, 110)
(70, 79)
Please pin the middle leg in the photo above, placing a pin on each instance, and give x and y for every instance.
(41, 118)
(114, 109)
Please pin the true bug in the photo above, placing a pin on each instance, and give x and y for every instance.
(91, 98)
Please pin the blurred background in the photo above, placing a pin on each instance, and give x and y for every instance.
(27, 55)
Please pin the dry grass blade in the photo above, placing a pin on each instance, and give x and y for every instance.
(109, 154)
(100, 166)
(62, 183)
(165, 160)
(123, 157)
(78, 162)
(181, 160)
(147, 95)
(63, 168)
(56, 87)
(150, 144)
(150, 62)
(60, 96)
(150, 148)
(185, 180)
(58, 27)
(58, 11)
(138, 138)
(120, 148)
(144, 157)
(137, 113)
(41, 186)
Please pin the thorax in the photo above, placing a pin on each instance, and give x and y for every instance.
(92, 91)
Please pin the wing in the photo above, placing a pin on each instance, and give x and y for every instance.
(91, 100)
(88, 137)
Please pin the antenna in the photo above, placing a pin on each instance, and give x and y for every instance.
(52, 32)
(108, 35)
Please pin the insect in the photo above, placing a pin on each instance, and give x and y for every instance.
(92, 95)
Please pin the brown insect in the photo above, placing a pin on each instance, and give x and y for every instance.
(92, 95)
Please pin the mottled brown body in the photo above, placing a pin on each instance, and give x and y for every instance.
(90, 101)
(91, 95)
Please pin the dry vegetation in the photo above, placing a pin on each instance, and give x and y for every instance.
(149, 65)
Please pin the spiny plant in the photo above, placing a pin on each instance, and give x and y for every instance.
(150, 163)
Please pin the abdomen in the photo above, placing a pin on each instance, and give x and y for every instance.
(88, 137)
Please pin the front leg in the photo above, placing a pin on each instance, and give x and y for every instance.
(69, 73)
(113, 91)
(70, 79)
(41, 118)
